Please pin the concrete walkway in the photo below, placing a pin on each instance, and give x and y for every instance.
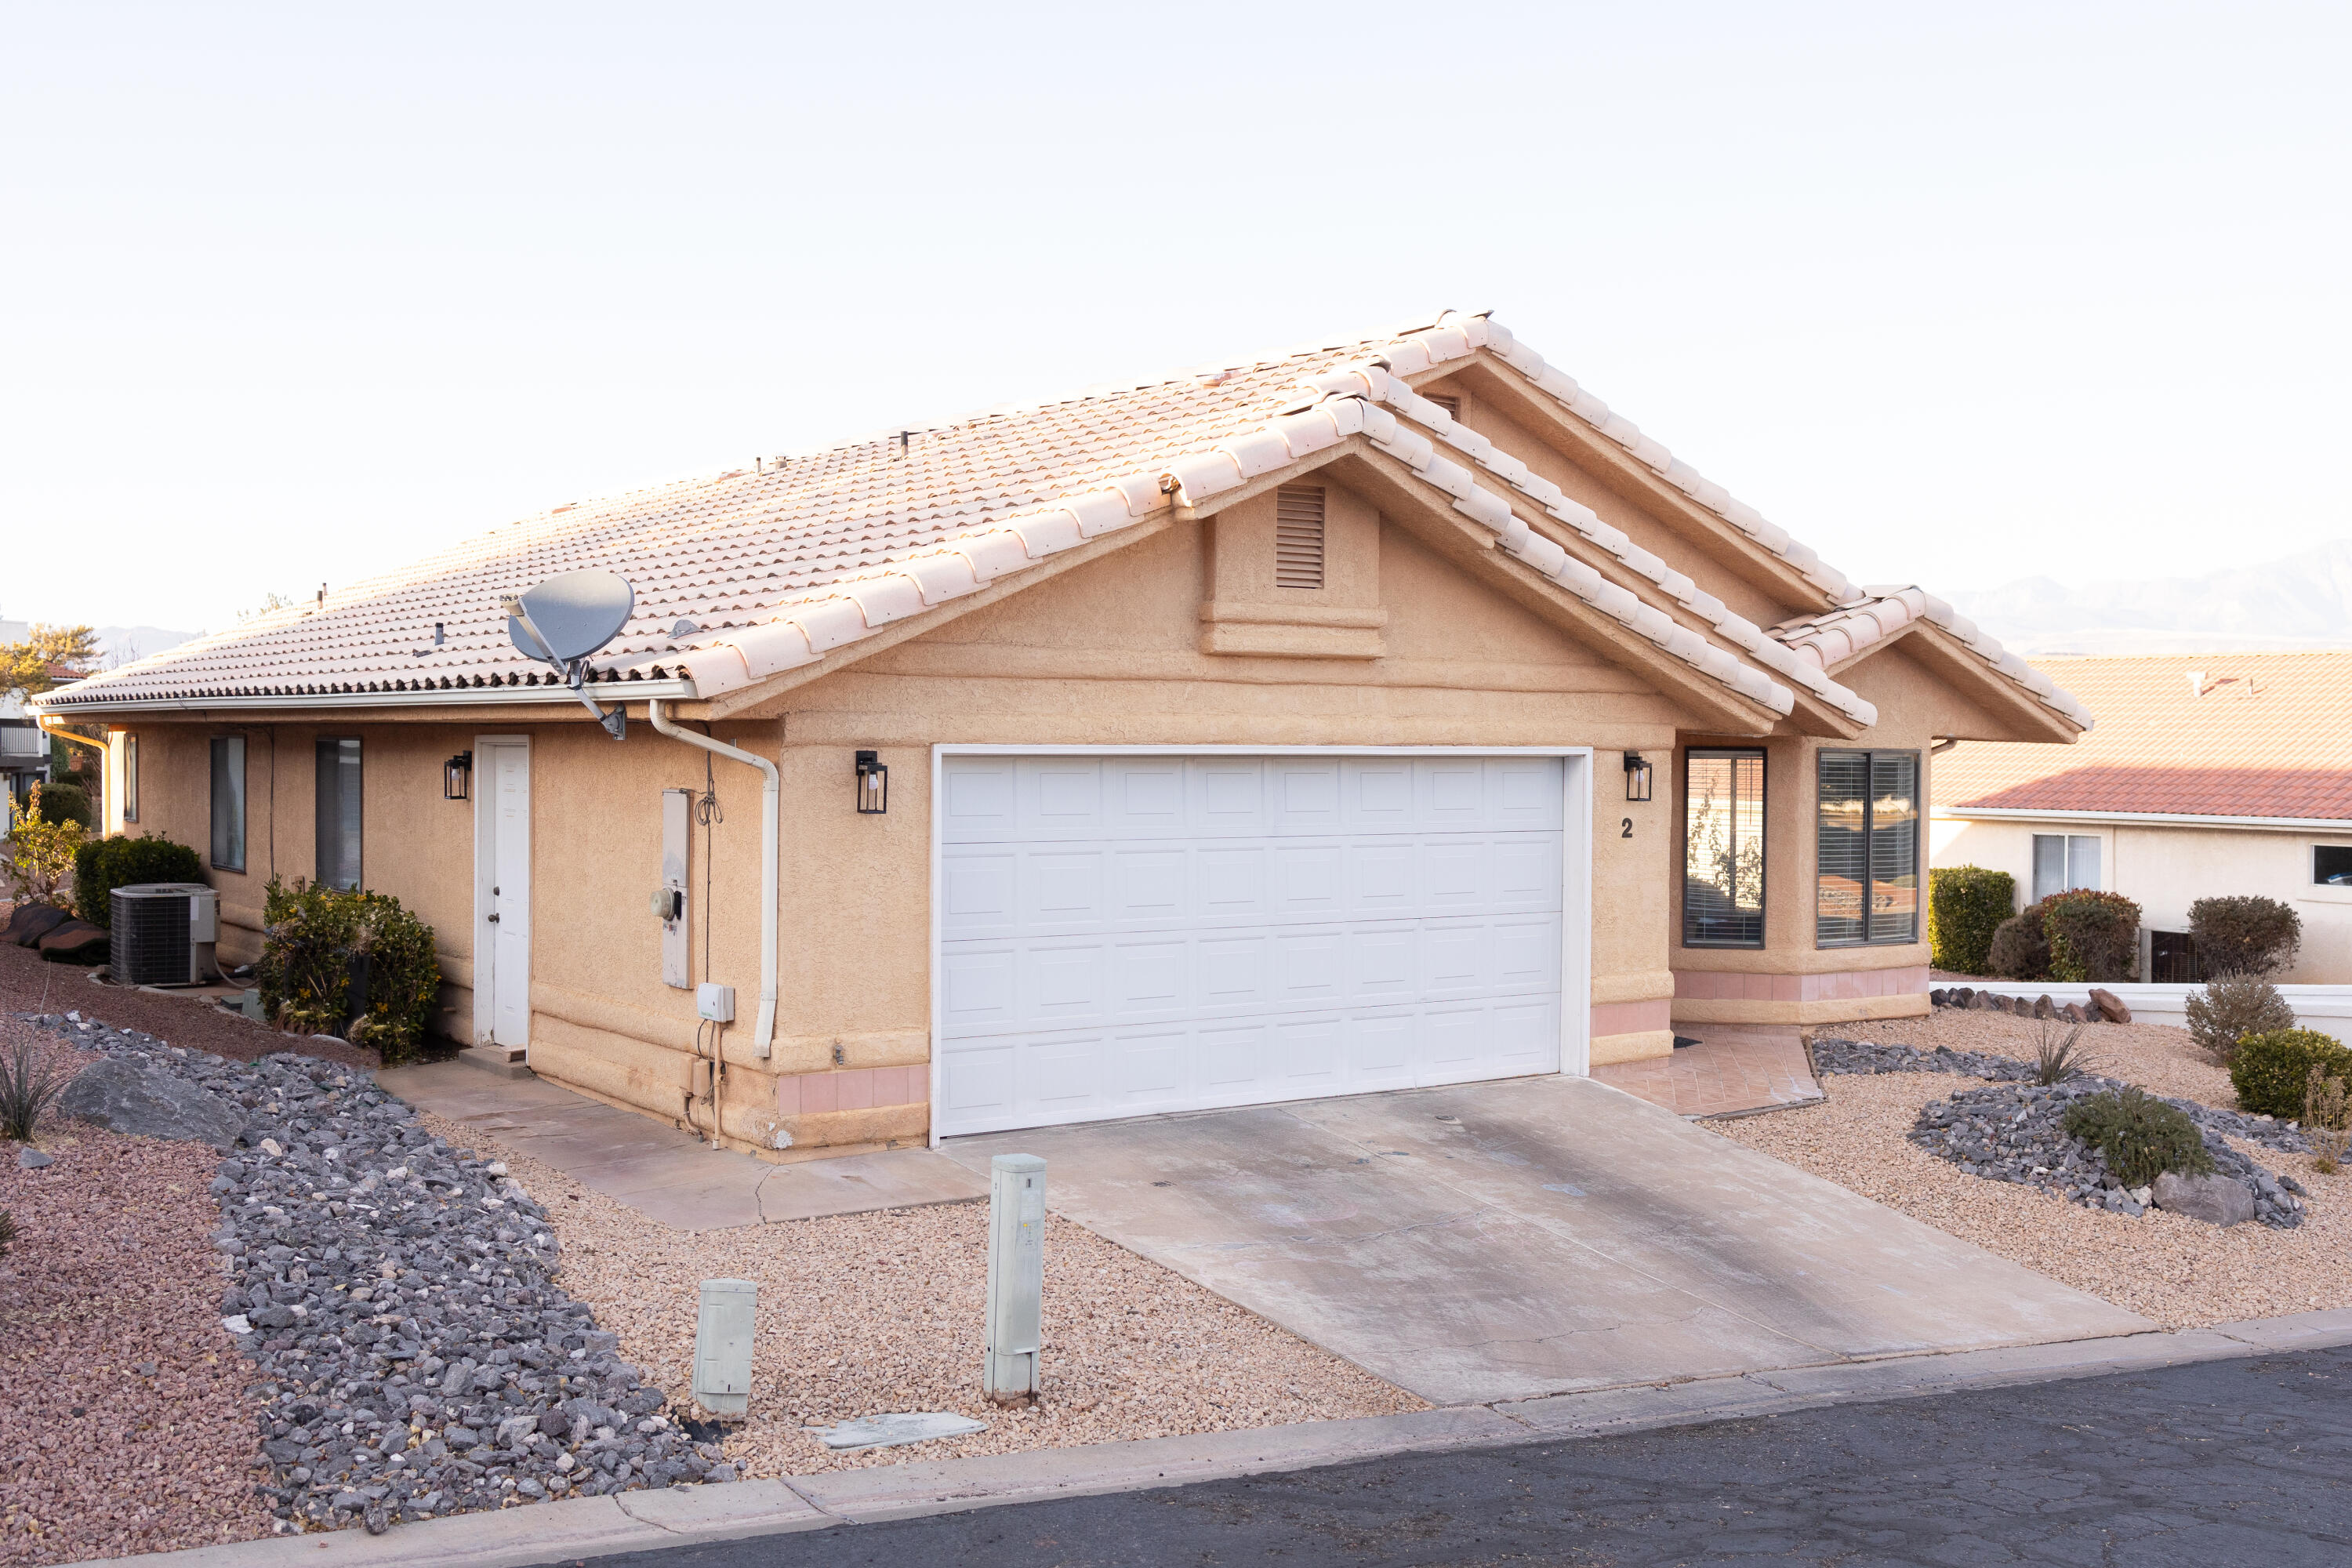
(1539, 1235)
(1731, 1072)
(664, 1171)
(580, 1528)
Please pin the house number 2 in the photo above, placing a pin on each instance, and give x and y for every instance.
(1627, 832)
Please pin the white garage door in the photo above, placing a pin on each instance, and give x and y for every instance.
(1121, 935)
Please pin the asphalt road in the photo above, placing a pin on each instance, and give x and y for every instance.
(2214, 1465)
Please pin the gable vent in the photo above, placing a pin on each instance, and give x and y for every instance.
(1299, 536)
(1453, 406)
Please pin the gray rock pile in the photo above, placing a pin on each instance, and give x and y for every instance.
(414, 1357)
(2013, 1131)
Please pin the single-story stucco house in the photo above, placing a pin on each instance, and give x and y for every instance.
(1375, 713)
(2210, 775)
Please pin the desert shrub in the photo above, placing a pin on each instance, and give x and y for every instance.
(2244, 935)
(2271, 1072)
(2020, 949)
(63, 802)
(2093, 937)
(1966, 906)
(102, 864)
(2141, 1136)
(2058, 1053)
(2327, 1116)
(28, 1081)
(40, 852)
(2232, 1007)
(311, 935)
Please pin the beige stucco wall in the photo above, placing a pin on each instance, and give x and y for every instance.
(1112, 653)
(2166, 868)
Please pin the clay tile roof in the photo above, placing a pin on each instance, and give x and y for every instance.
(2248, 735)
(1835, 635)
(774, 567)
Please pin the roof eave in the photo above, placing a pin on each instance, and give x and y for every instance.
(341, 701)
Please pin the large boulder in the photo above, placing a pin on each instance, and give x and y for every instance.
(2217, 1200)
(74, 942)
(28, 923)
(125, 1096)
(2110, 1005)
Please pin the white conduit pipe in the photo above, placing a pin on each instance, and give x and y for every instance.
(763, 1033)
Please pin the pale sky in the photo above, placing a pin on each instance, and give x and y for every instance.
(1954, 294)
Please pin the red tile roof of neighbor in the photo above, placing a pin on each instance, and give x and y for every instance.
(747, 574)
(2264, 735)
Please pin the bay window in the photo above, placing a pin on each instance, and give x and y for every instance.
(1723, 849)
(1867, 867)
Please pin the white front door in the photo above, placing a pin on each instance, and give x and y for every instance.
(1127, 934)
(506, 873)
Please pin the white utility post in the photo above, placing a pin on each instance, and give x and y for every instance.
(722, 1346)
(1016, 1276)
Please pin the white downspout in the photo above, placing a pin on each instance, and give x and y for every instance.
(763, 1033)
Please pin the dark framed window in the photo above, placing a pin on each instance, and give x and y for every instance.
(130, 778)
(1868, 867)
(2331, 865)
(337, 819)
(228, 803)
(1723, 849)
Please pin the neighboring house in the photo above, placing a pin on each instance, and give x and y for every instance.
(24, 753)
(1378, 713)
(2218, 774)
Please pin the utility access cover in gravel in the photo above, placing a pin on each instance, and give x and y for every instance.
(414, 1358)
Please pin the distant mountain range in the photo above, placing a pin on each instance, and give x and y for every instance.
(2279, 606)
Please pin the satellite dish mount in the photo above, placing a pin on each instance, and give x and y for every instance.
(567, 618)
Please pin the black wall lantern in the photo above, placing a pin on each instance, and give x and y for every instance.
(457, 777)
(1637, 777)
(873, 785)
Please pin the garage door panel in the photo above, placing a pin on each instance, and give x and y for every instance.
(1120, 936)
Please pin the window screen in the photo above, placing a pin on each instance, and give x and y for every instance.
(228, 803)
(338, 820)
(130, 778)
(2331, 865)
(1299, 536)
(1723, 849)
(2063, 861)
(1867, 877)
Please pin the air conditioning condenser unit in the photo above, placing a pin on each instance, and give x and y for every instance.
(164, 934)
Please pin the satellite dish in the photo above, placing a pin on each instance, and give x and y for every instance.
(568, 618)
(572, 616)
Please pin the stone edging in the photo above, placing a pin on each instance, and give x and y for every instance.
(636, 1522)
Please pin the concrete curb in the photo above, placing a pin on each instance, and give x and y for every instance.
(636, 1522)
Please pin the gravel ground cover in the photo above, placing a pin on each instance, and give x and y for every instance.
(2014, 1131)
(124, 1426)
(2181, 1272)
(866, 1314)
(393, 1296)
(2159, 1057)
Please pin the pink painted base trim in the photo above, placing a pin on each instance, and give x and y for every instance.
(1849, 985)
(852, 1089)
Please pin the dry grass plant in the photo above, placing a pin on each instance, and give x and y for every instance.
(2058, 1053)
(2327, 1121)
(28, 1081)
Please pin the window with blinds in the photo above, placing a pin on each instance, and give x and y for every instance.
(1867, 867)
(1299, 536)
(1723, 849)
(337, 818)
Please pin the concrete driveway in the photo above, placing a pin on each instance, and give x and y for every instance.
(1538, 1236)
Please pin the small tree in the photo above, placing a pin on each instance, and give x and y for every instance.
(2229, 1008)
(1966, 905)
(2244, 935)
(40, 853)
(51, 657)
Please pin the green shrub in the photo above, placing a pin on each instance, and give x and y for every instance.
(102, 864)
(2232, 1007)
(63, 802)
(2140, 1135)
(2021, 945)
(2271, 1072)
(2093, 937)
(1966, 906)
(312, 933)
(2244, 935)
